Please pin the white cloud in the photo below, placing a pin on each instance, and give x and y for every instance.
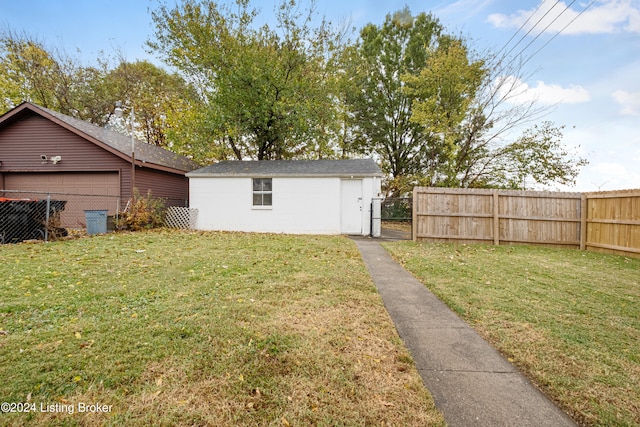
(547, 94)
(605, 16)
(630, 102)
(612, 175)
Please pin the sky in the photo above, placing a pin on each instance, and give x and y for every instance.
(582, 58)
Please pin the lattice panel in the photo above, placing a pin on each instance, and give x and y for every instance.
(182, 218)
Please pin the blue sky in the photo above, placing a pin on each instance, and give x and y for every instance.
(589, 70)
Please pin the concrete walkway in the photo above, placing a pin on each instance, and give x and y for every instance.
(471, 383)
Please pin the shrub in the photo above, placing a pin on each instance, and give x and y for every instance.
(142, 212)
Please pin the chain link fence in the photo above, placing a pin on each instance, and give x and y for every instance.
(397, 209)
(31, 215)
(396, 215)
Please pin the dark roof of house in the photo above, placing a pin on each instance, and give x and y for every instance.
(118, 143)
(270, 168)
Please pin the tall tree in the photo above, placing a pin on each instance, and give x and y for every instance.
(380, 107)
(443, 92)
(537, 156)
(31, 72)
(159, 99)
(267, 91)
(468, 103)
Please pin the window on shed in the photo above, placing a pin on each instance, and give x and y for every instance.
(262, 192)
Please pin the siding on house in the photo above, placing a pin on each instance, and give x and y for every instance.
(307, 196)
(22, 144)
(300, 206)
(29, 131)
(170, 186)
(92, 183)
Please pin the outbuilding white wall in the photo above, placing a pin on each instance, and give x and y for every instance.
(301, 205)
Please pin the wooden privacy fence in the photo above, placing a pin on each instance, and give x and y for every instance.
(604, 221)
(611, 222)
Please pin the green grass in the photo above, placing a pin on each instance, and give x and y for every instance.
(184, 328)
(569, 319)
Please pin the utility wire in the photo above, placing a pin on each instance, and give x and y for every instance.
(558, 33)
(528, 32)
(533, 27)
(540, 33)
(547, 27)
(522, 27)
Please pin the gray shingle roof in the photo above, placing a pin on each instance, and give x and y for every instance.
(270, 168)
(144, 152)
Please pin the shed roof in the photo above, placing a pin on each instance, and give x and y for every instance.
(113, 141)
(290, 168)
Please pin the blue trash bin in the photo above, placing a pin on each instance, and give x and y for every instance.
(96, 221)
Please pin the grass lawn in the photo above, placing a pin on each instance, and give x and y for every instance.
(185, 328)
(397, 225)
(569, 319)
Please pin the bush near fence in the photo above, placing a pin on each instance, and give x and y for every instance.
(602, 221)
(23, 214)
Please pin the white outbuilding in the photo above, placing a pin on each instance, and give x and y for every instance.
(288, 196)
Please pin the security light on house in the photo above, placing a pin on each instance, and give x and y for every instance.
(52, 159)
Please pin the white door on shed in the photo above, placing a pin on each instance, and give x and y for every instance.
(351, 206)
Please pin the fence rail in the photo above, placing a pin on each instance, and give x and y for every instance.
(36, 215)
(604, 221)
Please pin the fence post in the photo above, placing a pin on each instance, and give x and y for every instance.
(583, 221)
(414, 215)
(496, 217)
(375, 217)
(46, 220)
(412, 208)
(371, 219)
